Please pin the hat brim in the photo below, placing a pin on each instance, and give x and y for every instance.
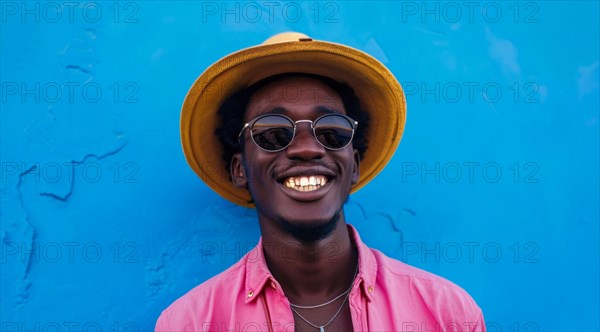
(379, 93)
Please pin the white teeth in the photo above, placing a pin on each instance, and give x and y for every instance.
(305, 183)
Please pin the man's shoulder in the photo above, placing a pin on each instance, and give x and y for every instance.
(224, 281)
(392, 266)
(203, 300)
(430, 290)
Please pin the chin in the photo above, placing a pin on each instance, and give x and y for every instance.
(310, 230)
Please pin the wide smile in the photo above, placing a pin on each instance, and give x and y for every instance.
(305, 183)
(306, 187)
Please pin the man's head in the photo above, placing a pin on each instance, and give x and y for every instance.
(303, 186)
(340, 68)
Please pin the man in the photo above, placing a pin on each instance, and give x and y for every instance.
(284, 127)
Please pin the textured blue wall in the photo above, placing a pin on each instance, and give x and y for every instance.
(494, 186)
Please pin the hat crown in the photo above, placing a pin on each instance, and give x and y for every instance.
(283, 37)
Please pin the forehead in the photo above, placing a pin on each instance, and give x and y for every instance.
(297, 96)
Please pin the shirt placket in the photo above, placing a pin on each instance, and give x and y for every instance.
(278, 308)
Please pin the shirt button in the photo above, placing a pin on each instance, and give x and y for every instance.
(370, 289)
(250, 294)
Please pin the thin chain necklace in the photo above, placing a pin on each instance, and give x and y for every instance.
(322, 327)
(320, 305)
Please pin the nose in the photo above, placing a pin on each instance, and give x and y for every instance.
(305, 146)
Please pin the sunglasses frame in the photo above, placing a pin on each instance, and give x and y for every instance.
(353, 123)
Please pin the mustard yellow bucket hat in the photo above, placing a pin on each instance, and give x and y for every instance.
(379, 93)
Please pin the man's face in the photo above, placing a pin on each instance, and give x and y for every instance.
(272, 177)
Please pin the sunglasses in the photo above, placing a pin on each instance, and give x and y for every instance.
(275, 132)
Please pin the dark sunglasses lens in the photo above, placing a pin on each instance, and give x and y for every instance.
(273, 132)
(334, 131)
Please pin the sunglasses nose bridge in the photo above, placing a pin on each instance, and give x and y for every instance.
(309, 121)
(301, 135)
(311, 126)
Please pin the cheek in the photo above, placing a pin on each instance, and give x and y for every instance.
(351, 169)
(257, 170)
(255, 177)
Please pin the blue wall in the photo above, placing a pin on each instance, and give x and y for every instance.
(494, 186)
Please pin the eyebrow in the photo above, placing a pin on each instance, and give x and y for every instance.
(321, 110)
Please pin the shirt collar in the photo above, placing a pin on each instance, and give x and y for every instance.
(367, 265)
(258, 275)
(257, 272)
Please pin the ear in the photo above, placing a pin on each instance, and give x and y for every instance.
(356, 168)
(238, 171)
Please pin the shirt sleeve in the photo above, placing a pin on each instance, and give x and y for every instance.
(162, 324)
(478, 323)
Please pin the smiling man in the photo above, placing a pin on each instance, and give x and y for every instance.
(283, 127)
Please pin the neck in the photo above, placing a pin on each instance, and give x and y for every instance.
(310, 272)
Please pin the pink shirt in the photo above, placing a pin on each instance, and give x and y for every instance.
(387, 295)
